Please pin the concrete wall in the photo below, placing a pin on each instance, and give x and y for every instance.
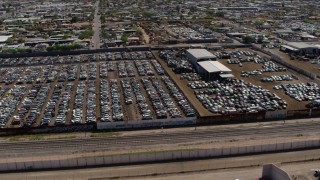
(158, 156)
(272, 172)
(146, 123)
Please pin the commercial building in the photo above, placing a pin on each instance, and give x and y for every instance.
(197, 55)
(300, 48)
(204, 63)
(214, 69)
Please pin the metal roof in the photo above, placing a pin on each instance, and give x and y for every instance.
(300, 45)
(226, 75)
(201, 54)
(213, 66)
(4, 38)
(289, 47)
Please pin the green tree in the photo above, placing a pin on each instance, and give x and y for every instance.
(258, 23)
(74, 19)
(21, 40)
(124, 38)
(9, 41)
(86, 34)
(219, 14)
(247, 39)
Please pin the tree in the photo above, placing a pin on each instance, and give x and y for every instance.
(258, 23)
(260, 40)
(220, 14)
(86, 34)
(21, 40)
(193, 9)
(178, 8)
(9, 41)
(247, 39)
(124, 38)
(74, 19)
(65, 36)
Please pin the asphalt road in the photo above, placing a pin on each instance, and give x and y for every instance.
(96, 28)
(153, 139)
(219, 168)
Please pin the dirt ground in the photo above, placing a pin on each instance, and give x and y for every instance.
(236, 71)
(305, 65)
(256, 80)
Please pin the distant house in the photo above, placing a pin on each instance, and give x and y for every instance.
(3, 39)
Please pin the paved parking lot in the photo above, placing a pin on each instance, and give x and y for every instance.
(86, 89)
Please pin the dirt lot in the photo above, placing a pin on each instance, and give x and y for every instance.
(256, 80)
(305, 65)
(236, 71)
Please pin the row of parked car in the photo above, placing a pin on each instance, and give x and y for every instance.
(187, 33)
(50, 110)
(140, 100)
(117, 111)
(27, 61)
(64, 104)
(83, 72)
(178, 63)
(136, 55)
(68, 73)
(9, 103)
(103, 70)
(179, 97)
(71, 59)
(32, 105)
(198, 84)
(91, 102)
(127, 91)
(152, 93)
(144, 68)
(158, 67)
(301, 91)
(168, 102)
(126, 69)
(237, 96)
(77, 112)
(190, 76)
(29, 75)
(104, 101)
(92, 71)
(3, 90)
(10, 75)
(279, 78)
(239, 53)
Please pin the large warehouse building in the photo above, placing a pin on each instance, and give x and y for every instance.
(204, 63)
(300, 48)
(197, 55)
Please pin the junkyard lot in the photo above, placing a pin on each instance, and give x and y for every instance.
(250, 66)
(256, 80)
(131, 111)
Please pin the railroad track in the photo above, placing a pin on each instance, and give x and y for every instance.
(117, 142)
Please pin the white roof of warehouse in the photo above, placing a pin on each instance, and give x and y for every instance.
(201, 54)
(213, 66)
(289, 47)
(4, 38)
(300, 45)
(226, 75)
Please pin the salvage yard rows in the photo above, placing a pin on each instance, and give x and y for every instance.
(106, 87)
(133, 86)
(251, 91)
